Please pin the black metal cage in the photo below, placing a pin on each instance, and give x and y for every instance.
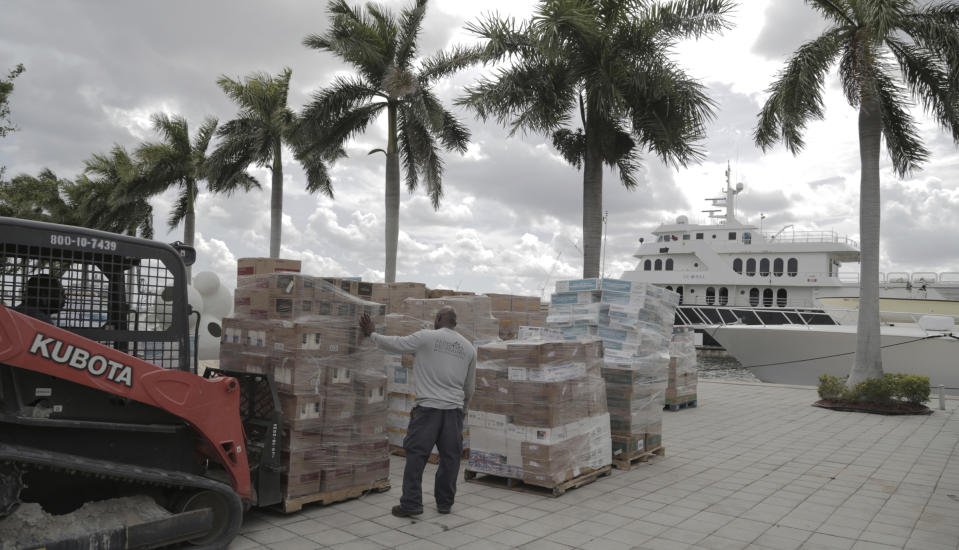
(121, 291)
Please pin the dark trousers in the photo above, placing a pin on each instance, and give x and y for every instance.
(428, 427)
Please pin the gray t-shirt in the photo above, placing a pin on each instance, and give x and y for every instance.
(444, 370)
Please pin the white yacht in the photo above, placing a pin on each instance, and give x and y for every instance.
(798, 354)
(727, 270)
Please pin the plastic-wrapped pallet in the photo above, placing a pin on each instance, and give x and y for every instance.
(683, 374)
(539, 411)
(634, 322)
(474, 319)
(331, 381)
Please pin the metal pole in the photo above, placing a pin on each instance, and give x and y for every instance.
(942, 397)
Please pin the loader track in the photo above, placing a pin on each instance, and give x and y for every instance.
(27, 458)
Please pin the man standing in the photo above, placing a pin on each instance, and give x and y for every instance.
(444, 374)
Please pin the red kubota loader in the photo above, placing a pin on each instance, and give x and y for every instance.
(100, 400)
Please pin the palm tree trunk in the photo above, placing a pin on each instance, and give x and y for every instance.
(189, 222)
(392, 198)
(868, 363)
(276, 201)
(592, 207)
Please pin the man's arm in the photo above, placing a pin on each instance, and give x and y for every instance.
(398, 344)
(470, 385)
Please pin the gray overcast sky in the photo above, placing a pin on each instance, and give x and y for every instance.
(510, 221)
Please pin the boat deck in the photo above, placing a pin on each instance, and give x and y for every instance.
(754, 466)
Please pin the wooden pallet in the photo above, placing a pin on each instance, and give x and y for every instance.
(519, 485)
(434, 458)
(295, 504)
(676, 406)
(628, 462)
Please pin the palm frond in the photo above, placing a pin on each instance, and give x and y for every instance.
(422, 147)
(571, 146)
(531, 95)
(452, 133)
(929, 84)
(447, 62)
(181, 208)
(882, 16)
(796, 95)
(898, 127)
(411, 21)
(353, 37)
(204, 135)
(503, 38)
(690, 18)
(837, 11)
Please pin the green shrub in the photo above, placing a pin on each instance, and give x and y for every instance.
(876, 390)
(888, 390)
(831, 388)
(913, 388)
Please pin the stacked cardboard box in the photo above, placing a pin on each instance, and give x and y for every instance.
(474, 319)
(683, 374)
(539, 412)
(331, 382)
(514, 312)
(634, 321)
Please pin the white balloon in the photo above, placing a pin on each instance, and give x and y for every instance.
(219, 304)
(194, 298)
(206, 282)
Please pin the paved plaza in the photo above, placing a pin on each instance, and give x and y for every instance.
(754, 466)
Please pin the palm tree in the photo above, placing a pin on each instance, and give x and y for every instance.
(883, 48)
(178, 163)
(36, 198)
(607, 61)
(256, 136)
(383, 50)
(106, 200)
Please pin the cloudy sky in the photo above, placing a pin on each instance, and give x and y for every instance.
(510, 220)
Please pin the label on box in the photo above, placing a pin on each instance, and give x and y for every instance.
(517, 373)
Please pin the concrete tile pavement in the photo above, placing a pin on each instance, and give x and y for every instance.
(754, 466)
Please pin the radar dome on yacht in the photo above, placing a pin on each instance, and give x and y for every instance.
(739, 186)
(682, 220)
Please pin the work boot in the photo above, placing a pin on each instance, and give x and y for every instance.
(401, 512)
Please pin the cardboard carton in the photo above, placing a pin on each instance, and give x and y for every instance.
(262, 266)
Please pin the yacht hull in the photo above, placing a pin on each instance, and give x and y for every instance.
(791, 354)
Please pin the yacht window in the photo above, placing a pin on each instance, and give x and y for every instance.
(710, 296)
(714, 235)
(754, 297)
(738, 265)
(732, 235)
(768, 297)
(685, 236)
(679, 290)
(778, 267)
(750, 267)
(658, 265)
(699, 236)
(723, 296)
(781, 297)
(669, 264)
(764, 267)
(669, 287)
(647, 265)
(747, 238)
(792, 267)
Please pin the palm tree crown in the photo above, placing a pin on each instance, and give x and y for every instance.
(177, 163)
(886, 51)
(607, 61)
(256, 136)
(103, 196)
(383, 50)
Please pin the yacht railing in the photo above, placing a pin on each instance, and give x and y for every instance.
(903, 278)
(809, 237)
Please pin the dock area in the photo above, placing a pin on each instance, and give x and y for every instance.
(754, 466)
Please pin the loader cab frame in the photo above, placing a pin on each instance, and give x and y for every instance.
(125, 292)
